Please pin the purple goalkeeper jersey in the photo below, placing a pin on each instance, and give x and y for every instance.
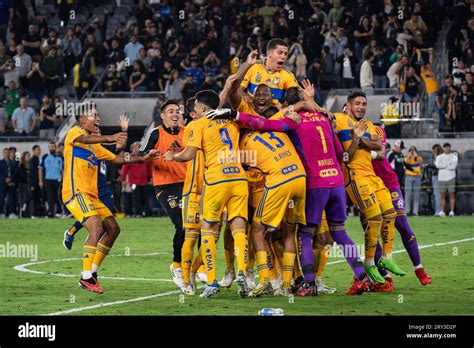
(314, 139)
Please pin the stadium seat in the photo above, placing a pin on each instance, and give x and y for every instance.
(113, 21)
(469, 155)
(122, 10)
(62, 92)
(427, 156)
(464, 179)
(34, 103)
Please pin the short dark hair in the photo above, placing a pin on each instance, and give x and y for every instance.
(292, 95)
(52, 143)
(35, 147)
(273, 43)
(190, 105)
(354, 94)
(209, 98)
(270, 111)
(166, 103)
(446, 145)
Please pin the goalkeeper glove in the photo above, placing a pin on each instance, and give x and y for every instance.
(227, 114)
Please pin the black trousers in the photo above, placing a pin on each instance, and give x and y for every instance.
(52, 188)
(140, 200)
(170, 199)
(36, 195)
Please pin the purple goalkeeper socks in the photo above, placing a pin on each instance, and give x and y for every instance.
(350, 251)
(307, 256)
(408, 239)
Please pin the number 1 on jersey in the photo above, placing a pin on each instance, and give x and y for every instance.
(323, 139)
(225, 137)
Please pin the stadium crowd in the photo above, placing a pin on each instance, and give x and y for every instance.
(61, 49)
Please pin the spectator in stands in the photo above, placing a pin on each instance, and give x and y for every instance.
(431, 87)
(188, 87)
(470, 81)
(447, 163)
(96, 30)
(131, 49)
(3, 120)
(35, 83)
(24, 118)
(53, 69)
(113, 79)
(24, 191)
(138, 177)
(381, 65)
(10, 73)
(47, 118)
(459, 73)
(391, 28)
(417, 27)
(397, 159)
(347, 65)
(437, 150)
(362, 35)
(464, 109)
(36, 191)
(389, 117)
(137, 80)
(412, 86)
(413, 173)
(366, 74)
(196, 72)
(12, 99)
(52, 41)
(144, 58)
(32, 43)
(445, 93)
(22, 64)
(71, 48)
(297, 61)
(50, 175)
(172, 87)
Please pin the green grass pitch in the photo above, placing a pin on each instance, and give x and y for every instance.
(37, 291)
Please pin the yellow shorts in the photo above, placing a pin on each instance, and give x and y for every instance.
(232, 195)
(369, 194)
(82, 206)
(192, 211)
(285, 202)
(256, 182)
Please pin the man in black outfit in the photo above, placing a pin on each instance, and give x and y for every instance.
(397, 160)
(34, 182)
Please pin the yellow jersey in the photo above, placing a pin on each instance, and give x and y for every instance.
(81, 165)
(429, 78)
(246, 108)
(390, 112)
(273, 154)
(195, 169)
(361, 162)
(219, 141)
(278, 81)
(414, 167)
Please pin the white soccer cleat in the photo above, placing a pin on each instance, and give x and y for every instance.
(262, 289)
(177, 275)
(276, 284)
(187, 289)
(202, 276)
(282, 292)
(323, 288)
(442, 214)
(228, 278)
(209, 291)
(451, 213)
(250, 280)
(241, 280)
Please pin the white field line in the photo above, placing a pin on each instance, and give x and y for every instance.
(23, 268)
(106, 304)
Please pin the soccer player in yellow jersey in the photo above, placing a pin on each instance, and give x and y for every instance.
(82, 151)
(225, 186)
(359, 138)
(192, 190)
(271, 72)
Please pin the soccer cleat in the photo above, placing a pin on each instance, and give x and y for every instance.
(323, 288)
(243, 289)
(373, 274)
(68, 239)
(250, 279)
(359, 286)
(188, 289)
(177, 276)
(276, 283)
(210, 290)
(442, 214)
(390, 265)
(307, 290)
(262, 289)
(90, 284)
(385, 287)
(422, 276)
(451, 213)
(282, 291)
(202, 276)
(298, 283)
(228, 278)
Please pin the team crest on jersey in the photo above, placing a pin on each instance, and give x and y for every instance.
(350, 124)
(258, 78)
(276, 80)
(395, 195)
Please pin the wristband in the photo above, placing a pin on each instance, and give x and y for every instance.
(373, 154)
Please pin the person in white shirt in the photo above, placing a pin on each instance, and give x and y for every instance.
(366, 75)
(447, 163)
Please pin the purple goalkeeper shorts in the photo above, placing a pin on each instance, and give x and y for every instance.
(331, 200)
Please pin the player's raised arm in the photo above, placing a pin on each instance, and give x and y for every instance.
(123, 122)
(371, 142)
(89, 122)
(150, 156)
(186, 155)
(233, 82)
